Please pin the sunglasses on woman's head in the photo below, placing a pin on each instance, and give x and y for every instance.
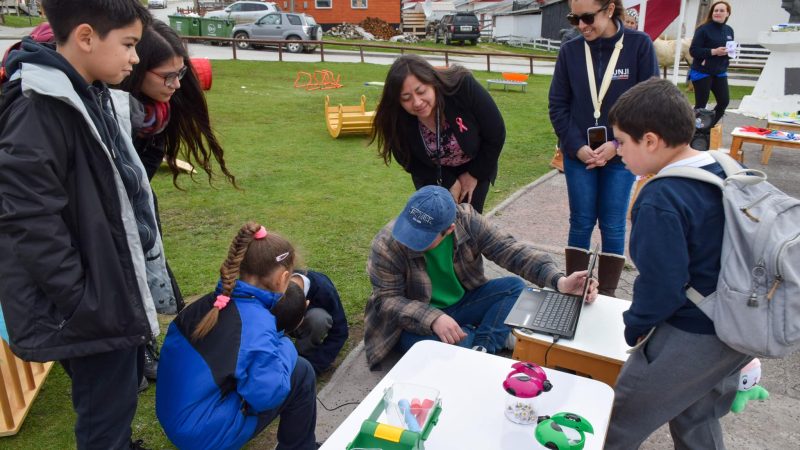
(587, 18)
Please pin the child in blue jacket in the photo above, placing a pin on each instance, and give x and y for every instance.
(324, 330)
(680, 372)
(227, 370)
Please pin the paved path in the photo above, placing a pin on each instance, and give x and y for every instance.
(537, 214)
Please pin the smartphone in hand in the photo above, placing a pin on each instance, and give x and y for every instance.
(596, 136)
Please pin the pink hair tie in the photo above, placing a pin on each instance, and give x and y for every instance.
(260, 234)
(221, 301)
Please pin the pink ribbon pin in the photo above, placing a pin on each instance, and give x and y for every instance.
(461, 127)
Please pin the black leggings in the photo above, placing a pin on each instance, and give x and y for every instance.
(717, 85)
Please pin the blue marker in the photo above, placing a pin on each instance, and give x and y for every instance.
(411, 421)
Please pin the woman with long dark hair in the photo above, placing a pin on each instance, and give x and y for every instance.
(174, 107)
(709, 71)
(168, 112)
(442, 126)
(591, 73)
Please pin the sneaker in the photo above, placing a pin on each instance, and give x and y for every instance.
(143, 385)
(150, 360)
(137, 445)
(511, 341)
(480, 348)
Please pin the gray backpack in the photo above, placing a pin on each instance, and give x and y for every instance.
(756, 307)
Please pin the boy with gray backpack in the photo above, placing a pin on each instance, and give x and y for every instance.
(680, 370)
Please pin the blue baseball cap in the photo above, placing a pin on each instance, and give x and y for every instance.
(428, 212)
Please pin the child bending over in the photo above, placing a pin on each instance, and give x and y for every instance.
(227, 370)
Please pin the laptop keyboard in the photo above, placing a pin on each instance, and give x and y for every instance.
(556, 312)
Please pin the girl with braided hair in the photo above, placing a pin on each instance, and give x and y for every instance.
(227, 369)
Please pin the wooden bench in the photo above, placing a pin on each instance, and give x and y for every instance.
(740, 137)
(348, 119)
(20, 382)
(506, 83)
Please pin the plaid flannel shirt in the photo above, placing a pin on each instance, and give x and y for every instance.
(401, 288)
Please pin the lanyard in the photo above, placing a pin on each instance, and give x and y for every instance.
(438, 153)
(604, 85)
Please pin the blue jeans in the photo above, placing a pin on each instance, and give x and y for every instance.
(298, 412)
(601, 194)
(481, 313)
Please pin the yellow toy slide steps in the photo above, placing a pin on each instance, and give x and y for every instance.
(348, 119)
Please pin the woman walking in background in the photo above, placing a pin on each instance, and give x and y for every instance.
(420, 104)
(709, 71)
(591, 73)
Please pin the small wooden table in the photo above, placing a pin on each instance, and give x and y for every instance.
(598, 350)
(740, 137)
(506, 83)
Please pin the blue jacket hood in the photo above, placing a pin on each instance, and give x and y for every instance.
(245, 290)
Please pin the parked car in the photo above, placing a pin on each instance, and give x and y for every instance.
(277, 26)
(244, 11)
(461, 26)
(157, 4)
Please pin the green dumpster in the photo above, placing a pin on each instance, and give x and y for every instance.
(220, 28)
(185, 25)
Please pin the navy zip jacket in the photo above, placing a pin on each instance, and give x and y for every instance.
(676, 241)
(571, 108)
(322, 294)
(706, 38)
(210, 392)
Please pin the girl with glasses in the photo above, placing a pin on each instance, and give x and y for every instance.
(598, 185)
(168, 111)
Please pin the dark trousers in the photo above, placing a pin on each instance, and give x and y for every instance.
(717, 85)
(104, 395)
(298, 412)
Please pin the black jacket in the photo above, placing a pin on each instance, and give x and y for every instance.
(72, 275)
(481, 137)
(706, 38)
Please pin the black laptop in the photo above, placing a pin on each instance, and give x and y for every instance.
(550, 312)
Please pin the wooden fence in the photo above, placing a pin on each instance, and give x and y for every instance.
(280, 44)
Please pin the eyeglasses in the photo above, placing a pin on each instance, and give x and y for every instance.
(172, 77)
(587, 18)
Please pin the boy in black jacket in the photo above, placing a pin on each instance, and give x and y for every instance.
(680, 372)
(76, 215)
(323, 332)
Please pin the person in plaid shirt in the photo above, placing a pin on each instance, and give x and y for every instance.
(426, 270)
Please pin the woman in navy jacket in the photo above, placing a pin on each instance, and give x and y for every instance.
(598, 184)
(471, 129)
(709, 72)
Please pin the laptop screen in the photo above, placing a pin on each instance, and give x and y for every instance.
(590, 269)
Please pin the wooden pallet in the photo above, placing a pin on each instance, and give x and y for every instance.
(20, 382)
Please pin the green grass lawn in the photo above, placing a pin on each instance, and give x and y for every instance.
(328, 196)
(15, 21)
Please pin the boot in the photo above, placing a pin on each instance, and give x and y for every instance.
(608, 273)
(577, 259)
(558, 161)
(151, 359)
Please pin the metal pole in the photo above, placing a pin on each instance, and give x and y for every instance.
(678, 42)
(361, 51)
(642, 14)
(488, 64)
(531, 61)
